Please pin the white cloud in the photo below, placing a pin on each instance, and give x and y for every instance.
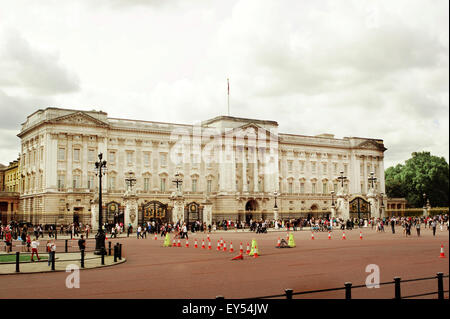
(354, 68)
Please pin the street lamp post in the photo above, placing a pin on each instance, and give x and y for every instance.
(275, 194)
(100, 170)
(332, 198)
(130, 180)
(424, 200)
(342, 178)
(178, 181)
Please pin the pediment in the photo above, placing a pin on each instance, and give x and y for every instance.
(79, 118)
(371, 145)
(252, 130)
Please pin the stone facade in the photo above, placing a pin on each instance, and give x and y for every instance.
(233, 164)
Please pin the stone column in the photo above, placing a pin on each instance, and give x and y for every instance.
(94, 215)
(255, 170)
(207, 212)
(244, 171)
(342, 206)
(178, 207)
(333, 211)
(374, 209)
(131, 210)
(276, 216)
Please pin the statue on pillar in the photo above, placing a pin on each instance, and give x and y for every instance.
(178, 199)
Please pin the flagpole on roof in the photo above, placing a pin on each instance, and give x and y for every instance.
(228, 82)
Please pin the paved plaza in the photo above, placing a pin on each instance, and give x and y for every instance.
(152, 271)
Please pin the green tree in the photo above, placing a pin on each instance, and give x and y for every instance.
(422, 173)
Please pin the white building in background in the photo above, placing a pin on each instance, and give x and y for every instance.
(236, 163)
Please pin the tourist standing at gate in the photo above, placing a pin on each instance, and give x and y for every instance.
(185, 231)
(393, 225)
(139, 232)
(418, 228)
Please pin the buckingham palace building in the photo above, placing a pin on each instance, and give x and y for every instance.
(240, 168)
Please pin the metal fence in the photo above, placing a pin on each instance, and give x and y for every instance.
(115, 251)
(289, 293)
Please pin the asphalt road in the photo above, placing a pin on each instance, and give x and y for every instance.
(152, 271)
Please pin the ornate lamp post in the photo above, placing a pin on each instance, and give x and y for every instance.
(100, 170)
(178, 181)
(424, 200)
(332, 198)
(342, 178)
(275, 194)
(130, 180)
(372, 179)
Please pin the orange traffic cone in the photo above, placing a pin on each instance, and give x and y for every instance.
(343, 235)
(209, 245)
(241, 249)
(187, 243)
(329, 235)
(360, 235)
(231, 247)
(203, 244)
(255, 255)
(174, 243)
(224, 246)
(312, 236)
(218, 246)
(238, 257)
(179, 243)
(208, 238)
(195, 244)
(156, 237)
(442, 255)
(279, 242)
(248, 249)
(287, 237)
(221, 243)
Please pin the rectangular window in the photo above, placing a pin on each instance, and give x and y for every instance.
(112, 157)
(194, 185)
(90, 184)
(91, 155)
(130, 158)
(291, 188)
(313, 167)
(61, 179)
(147, 159)
(324, 188)
(335, 168)
(302, 188)
(209, 186)
(146, 184)
(163, 185)
(325, 168)
(61, 154)
(163, 159)
(335, 187)
(76, 155)
(302, 166)
(313, 188)
(76, 181)
(112, 182)
(290, 166)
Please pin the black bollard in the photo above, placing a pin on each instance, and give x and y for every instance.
(398, 294)
(17, 261)
(288, 293)
(82, 258)
(120, 251)
(53, 259)
(440, 277)
(103, 257)
(66, 246)
(109, 248)
(348, 290)
(115, 253)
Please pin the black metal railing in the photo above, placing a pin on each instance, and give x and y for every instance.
(348, 287)
(52, 257)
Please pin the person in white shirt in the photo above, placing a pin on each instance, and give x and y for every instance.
(139, 232)
(34, 246)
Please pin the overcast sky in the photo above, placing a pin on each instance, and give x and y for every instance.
(375, 69)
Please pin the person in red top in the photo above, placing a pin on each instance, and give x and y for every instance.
(8, 241)
(28, 242)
